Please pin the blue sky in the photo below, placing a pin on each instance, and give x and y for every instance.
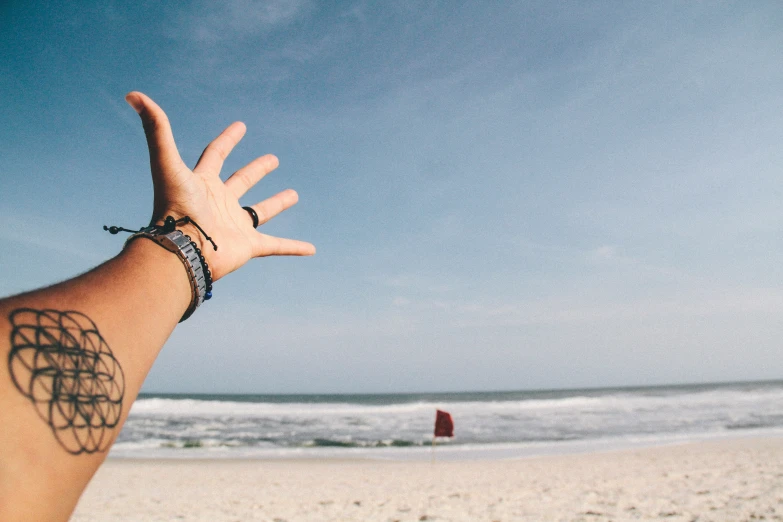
(504, 195)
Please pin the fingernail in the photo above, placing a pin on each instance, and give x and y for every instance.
(134, 102)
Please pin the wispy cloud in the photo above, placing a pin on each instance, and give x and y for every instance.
(729, 304)
(211, 22)
(613, 256)
(603, 254)
(54, 238)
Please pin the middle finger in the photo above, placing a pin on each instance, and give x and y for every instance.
(243, 180)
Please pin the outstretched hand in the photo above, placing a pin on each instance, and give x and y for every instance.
(209, 201)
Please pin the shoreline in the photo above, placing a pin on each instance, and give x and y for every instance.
(727, 479)
(444, 451)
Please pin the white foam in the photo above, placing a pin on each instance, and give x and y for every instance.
(589, 416)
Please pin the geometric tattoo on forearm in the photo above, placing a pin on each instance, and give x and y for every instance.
(62, 364)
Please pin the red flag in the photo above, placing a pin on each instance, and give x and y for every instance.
(444, 426)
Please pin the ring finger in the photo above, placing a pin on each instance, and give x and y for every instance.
(273, 206)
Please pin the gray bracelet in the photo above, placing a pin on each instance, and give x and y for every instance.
(180, 244)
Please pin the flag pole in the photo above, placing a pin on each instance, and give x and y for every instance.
(432, 460)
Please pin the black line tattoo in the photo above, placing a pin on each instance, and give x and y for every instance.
(62, 364)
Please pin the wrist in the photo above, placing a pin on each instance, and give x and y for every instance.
(190, 227)
(172, 238)
(171, 280)
(185, 248)
(189, 254)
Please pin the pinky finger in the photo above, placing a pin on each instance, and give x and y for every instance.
(279, 246)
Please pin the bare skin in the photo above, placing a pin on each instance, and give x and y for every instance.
(74, 356)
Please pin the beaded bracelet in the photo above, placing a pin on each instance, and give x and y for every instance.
(187, 251)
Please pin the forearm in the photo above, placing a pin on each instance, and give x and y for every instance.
(61, 403)
(73, 356)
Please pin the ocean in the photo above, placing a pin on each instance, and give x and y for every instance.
(507, 424)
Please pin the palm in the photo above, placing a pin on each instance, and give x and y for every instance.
(206, 199)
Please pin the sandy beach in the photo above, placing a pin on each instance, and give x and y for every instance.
(726, 480)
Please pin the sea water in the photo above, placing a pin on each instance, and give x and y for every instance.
(487, 424)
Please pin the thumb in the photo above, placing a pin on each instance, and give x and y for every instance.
(160, 140)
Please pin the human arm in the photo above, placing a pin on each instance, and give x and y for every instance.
(73, 356)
